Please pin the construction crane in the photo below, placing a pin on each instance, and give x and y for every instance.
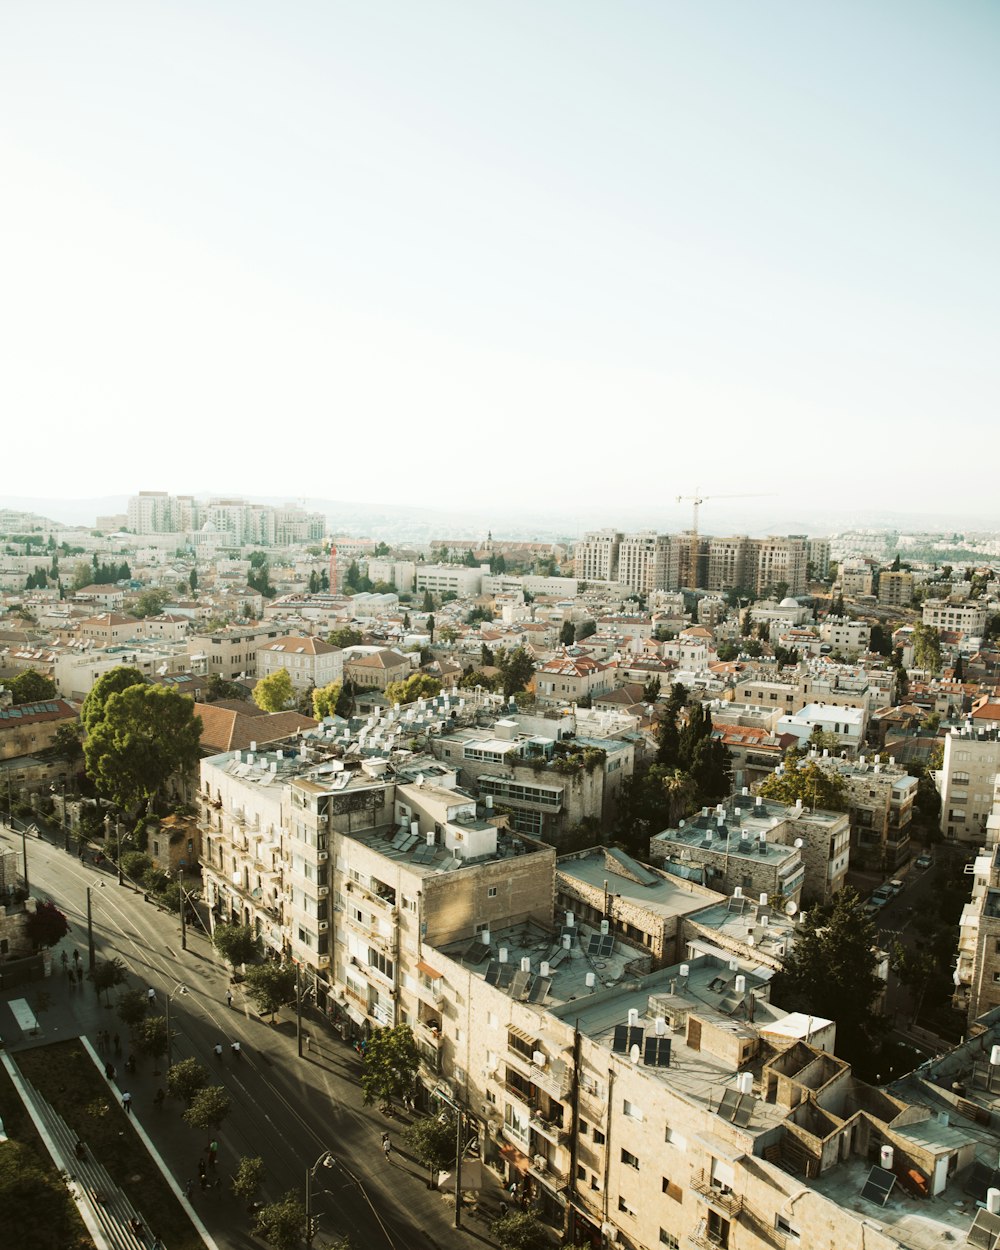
(333, 568)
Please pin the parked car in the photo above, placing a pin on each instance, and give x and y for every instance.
(924, 861)
(881, 896)
(896, 884)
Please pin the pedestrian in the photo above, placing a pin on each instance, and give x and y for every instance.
(202, 1176)
(386, 1145)
(110, 1071)
(187, 1189)
(76, 956)
(65, 959)
(118, 1045)
(151, 996)
(512, 1188)
(218, 1050)
(504, 1208)
(127, 1102)
(229, 998)
(130, 1063)
(158, 1098)
(235, 1048)
(213, 1152)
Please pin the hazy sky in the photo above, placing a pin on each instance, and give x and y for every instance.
(418, 250)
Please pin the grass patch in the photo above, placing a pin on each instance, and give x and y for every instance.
(65, 1075)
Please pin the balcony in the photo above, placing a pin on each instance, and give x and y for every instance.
(719, 1197)
(551, 1130)
(429, 1033)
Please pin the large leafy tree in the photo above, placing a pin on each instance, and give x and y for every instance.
(31, 687)
(416, 686)
(282, 1224)
(209, 1107)
(46, 925)
(149, 1037)
(517, 669)
(808, 781)
(237, 943)
(145, 735)
(248, 1177)
(431, 1140)
(270, 986)
(831, 972)
(132, 1008)
(275, 692)
(106, 974)
(668, 734)
(334, 699)
(187, 1079)
(926, 647)
(520, 1230)
(390, 1064)
(345, 636)
(119, 679)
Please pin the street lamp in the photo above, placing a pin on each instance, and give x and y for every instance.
(180, 883)
(325, 1160)
(179, 988)
(439, 1093)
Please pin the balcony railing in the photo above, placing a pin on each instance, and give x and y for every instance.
(721, 1197)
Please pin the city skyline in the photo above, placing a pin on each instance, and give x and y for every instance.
(596, 258)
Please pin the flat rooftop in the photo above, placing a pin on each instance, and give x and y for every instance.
(663, 896)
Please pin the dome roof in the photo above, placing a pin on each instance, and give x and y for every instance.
(789, 602)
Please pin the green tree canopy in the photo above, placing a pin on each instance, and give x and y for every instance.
(567, 634)
(187, 1079)
(237, 943)
(106, 974)
(926, 648)
(808, 781)
(668, 736)
(391, 1061)
(150, 603)
(149, 1037)
(209, 1107)
(282, 1224)
(145, 735)
(345, 636)
(831, 972)
(30, 686)
(416, 686)
(431, 1141)
(275, 692)
(132, 1007)
(247, 1178)
(517, 669)
(117, 680)
(270, 986)
(520, 1230)
(327, 699)
(46, 926)
(66, 744)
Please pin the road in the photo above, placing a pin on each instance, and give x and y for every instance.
(286, 1109)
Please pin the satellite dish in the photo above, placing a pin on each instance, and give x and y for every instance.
(633, 1054)
(791, 907)
(751, 940)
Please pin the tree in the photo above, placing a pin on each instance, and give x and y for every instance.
(428, 602)
(259, 577)
(567, 635)
(809, 781)
(916, 969)
(585, 630)
(881, 640)
(132, 1008)
(345, 637)
(187, 1079)
(145, 735)
(520, 1230)
(831, 972)
(237, 943)
(326, 698)
(475, 677)
(66, 744)
(270, 986)
(135, 864)
(46, 926)
(431, 1140)
(149, 1037)
(106, 974)
(391, 1061)
(209, 1107)
(431, 626)
(218, 688)
(651, 690)
(35, 1202)
(150, 603)
(247, 1177)
(117, 680)
(448, 634)
(926, 648)
(469, 559)
(517, 669)
(416, 686)
(486, 657)
(668, 734)
(282, 1224)
(30, 686)
(275, 692)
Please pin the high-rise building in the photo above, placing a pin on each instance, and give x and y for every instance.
(596, 557)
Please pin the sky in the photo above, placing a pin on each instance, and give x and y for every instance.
(425, 251)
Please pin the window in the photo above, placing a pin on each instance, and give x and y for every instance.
(782, 1226)
(379, 961)
(629, 1159)
(669, 1240)
(491, 892)
(599, 1138)
(672, 1189)
(625, 1208)
(584, 1128)
(718, 1229)
(631, 1110)
(674, 1138)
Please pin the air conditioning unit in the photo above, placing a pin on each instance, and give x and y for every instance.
(322, 891)
(324, 925)
(323, 819)
(350, 886)
(540, 1162)
(394, 914)
(322, 961)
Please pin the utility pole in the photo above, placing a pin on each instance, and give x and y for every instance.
(298, 1007)
(24, 856)
(90, 934)
(180, 881)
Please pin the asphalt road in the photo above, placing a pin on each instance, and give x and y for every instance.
(286, 1109)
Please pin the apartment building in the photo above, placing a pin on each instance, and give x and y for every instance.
(309, 662)
(231, 653)
(595, 557)
(968, 618)
(895, 589)
(647, 561)
(968, 771)
(450, 579)
(572, 676)
(243, 523)
(818, 557)
(374, 668)
(845, 635)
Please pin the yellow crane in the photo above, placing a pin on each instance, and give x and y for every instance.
(696, 501)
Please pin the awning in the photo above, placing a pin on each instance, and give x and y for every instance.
(428, 971)
(515, 1158)
(359, 1019)
(527, 1038)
